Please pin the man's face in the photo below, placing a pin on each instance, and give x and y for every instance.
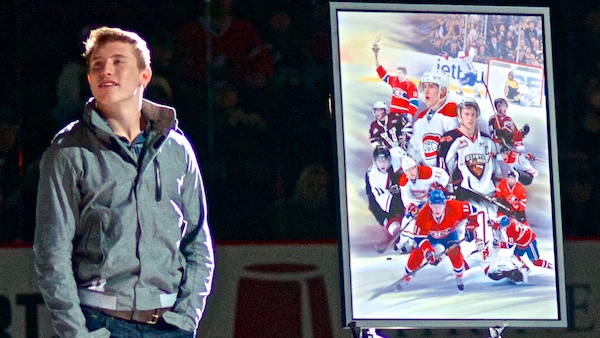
(114, 77)
(431, 93)
(502, 108)
(438, 209)
(468, 118)
(401, 75)
(511, 181)
(411, 173)
(383, 164)
(379, 113)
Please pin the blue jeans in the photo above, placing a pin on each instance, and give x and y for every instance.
(120, 328)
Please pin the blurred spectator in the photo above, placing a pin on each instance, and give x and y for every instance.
(308, 214)
(11, 174)
(481, 55)
(241, 169)
(494, 49)
(508, 52)
(238, 52)
(72, 90)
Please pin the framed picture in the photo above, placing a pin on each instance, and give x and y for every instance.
(447, 166)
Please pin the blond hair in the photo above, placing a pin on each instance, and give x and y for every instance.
(101, 36)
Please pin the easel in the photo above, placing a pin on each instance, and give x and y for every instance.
(495, 332)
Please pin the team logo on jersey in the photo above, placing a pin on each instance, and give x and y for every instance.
(431, 143)
(476, 164)
(399, 92)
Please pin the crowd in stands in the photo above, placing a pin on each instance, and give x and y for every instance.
(512, 38)
(250, 81)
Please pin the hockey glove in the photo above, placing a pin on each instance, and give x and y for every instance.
(525, 129)
(412, 210)
(394, 189)
(429, 253)
(470, 235)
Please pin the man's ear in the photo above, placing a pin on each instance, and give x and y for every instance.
(146, 76)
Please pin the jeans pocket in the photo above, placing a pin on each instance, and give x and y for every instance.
(94, 320)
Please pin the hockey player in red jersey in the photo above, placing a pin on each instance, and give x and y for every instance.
(509, 141)
(437, 235)
(512, 194)
(438, 118)
(415, 184)
(392, 130)
(404, 92)
(512, 233)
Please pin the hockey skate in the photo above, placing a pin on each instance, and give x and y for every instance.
(401, 285)
(459, 283)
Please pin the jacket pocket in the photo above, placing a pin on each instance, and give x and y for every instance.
(90, 247)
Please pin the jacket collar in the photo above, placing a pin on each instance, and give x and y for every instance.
(162, 119)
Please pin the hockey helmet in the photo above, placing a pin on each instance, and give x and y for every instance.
(435, 76)
(437, 197)
(380, 105)
(467, 103)
(381, 152)
(504, 221)
(498, 102)
(511, 174)
(461, 53)
(407, 163)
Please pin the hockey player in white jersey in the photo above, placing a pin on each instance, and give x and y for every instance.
(415, 183)
(468, 156)
(433, 122)
(468, 72)
(382, 191)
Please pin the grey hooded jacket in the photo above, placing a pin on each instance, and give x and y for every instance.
(117, 233)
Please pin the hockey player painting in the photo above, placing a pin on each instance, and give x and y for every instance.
(404, 98)
(468, 71)
(437, 235)
(510, 144)
(511, 233)
(416, 182)
(438, 118)
(511, 193)
(383, 193)
(468, 156)
(391, 130)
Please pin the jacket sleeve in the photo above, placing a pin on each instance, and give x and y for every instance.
(196, 246)
(56, 215)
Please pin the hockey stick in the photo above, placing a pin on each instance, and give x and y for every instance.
(487, 198)
(383, 248)
(396, 286)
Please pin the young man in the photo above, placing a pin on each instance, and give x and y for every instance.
(416, 182)
(122, 241)
(512, 233)
(469, 158)
(382, 191)
(512, 194)
(433, 122)
(437, 234)
(392, 130)
(509, 142)
(405, 95)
